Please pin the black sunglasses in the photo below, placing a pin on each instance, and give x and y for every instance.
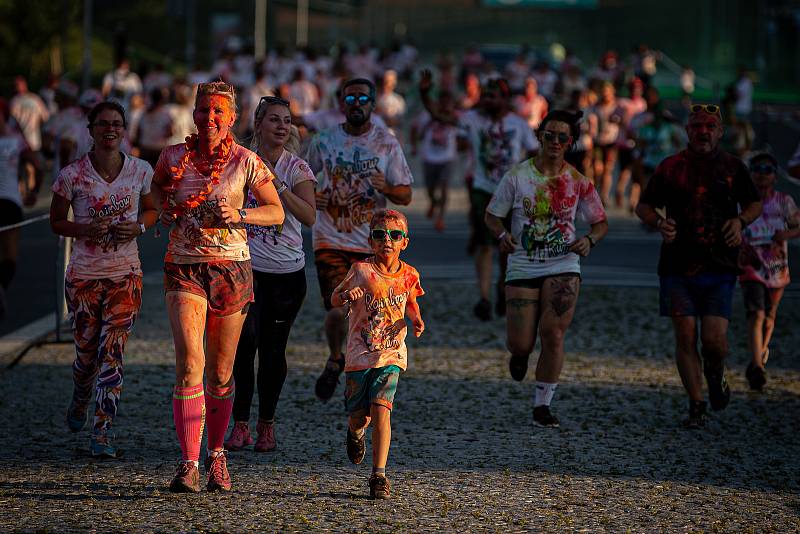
(362, 100)
(552, 136)
(379, 234)
(763, 168)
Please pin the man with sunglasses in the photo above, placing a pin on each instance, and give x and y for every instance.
(708, 198)
(497, 139)
(359, 165)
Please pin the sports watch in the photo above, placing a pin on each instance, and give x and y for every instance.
(243, 214)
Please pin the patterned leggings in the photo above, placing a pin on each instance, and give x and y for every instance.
(103, 312)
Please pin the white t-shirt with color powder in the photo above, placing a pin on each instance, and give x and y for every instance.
(543, 211)
(92, 197)
(496, 145)
(11, 147)
(279, 248)
(345, 197)
(200, 235)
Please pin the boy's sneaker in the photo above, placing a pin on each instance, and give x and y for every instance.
(329, 379)
(102, 447)
(756, 377)
(356, 447)
(697, 415)
(518, 366)
(265, 441)
(76, 418)
(240, 437)
(378, 487)
(483, 310)
(543, 417)
(186, 480)
(719, 392)
(217, 471)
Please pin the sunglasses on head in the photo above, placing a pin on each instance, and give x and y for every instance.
(379, 234)
(711, 109)
(270, 100)
(552, 136)
(763, 168)
(362, 100)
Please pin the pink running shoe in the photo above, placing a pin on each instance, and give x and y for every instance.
(240, 437)
(217, 471)
(265, 441)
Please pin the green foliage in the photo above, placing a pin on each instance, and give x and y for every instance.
(28, 31)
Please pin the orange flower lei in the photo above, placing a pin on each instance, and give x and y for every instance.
(221, 155)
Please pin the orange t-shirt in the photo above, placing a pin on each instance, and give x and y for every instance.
(377, 327)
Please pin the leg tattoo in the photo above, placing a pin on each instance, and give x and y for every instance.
(565, 292)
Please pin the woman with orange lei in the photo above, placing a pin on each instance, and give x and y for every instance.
(202, 185)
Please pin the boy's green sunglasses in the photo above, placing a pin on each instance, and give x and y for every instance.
(379, 234)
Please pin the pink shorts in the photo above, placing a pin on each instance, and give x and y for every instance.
(226, 285)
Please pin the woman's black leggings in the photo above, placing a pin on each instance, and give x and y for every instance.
(278, 298)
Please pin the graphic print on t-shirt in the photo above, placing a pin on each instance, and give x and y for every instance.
(350, 199)
(495, 151)
(381, 332)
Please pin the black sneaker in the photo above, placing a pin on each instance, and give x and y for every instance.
(756, 377)
(356, 447)
(697, 415)
(329, 379)
(378, 487)
(543, 417)
(518, 366)
(719, 392)
(483, 310)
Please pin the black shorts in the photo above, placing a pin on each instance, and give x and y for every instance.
(10, 212)
(481, 235)
(437, 174)
(538, 282)
(757, 296)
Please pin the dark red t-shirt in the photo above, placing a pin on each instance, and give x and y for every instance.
(700, 192)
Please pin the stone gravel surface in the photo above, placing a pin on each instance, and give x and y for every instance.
(464, 455)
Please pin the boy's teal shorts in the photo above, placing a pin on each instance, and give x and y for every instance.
(370, 386)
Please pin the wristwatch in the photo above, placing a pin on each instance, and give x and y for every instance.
(283, 187)
(242, 213)
(142, 227)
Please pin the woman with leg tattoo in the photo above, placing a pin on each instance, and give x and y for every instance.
(544, 195)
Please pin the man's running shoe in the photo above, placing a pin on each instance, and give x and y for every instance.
(186, 480)
(265, 441)
(329, 379)
(378, 487)
(217, 471)
(719, 392)
(356, 447)
(102, 447)
(543, 417)
(483, 310)
(240, 437)
(756, 377)
(518, 366)
(76, 418)
(697, 415)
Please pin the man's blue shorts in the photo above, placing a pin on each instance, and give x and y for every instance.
(698, 295)
(370, 386)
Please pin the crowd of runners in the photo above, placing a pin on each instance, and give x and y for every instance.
(234, 161)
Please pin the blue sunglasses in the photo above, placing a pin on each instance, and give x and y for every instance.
(362, 100)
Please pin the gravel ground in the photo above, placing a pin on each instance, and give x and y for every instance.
(464, 452)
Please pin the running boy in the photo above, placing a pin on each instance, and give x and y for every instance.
(379, 291)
